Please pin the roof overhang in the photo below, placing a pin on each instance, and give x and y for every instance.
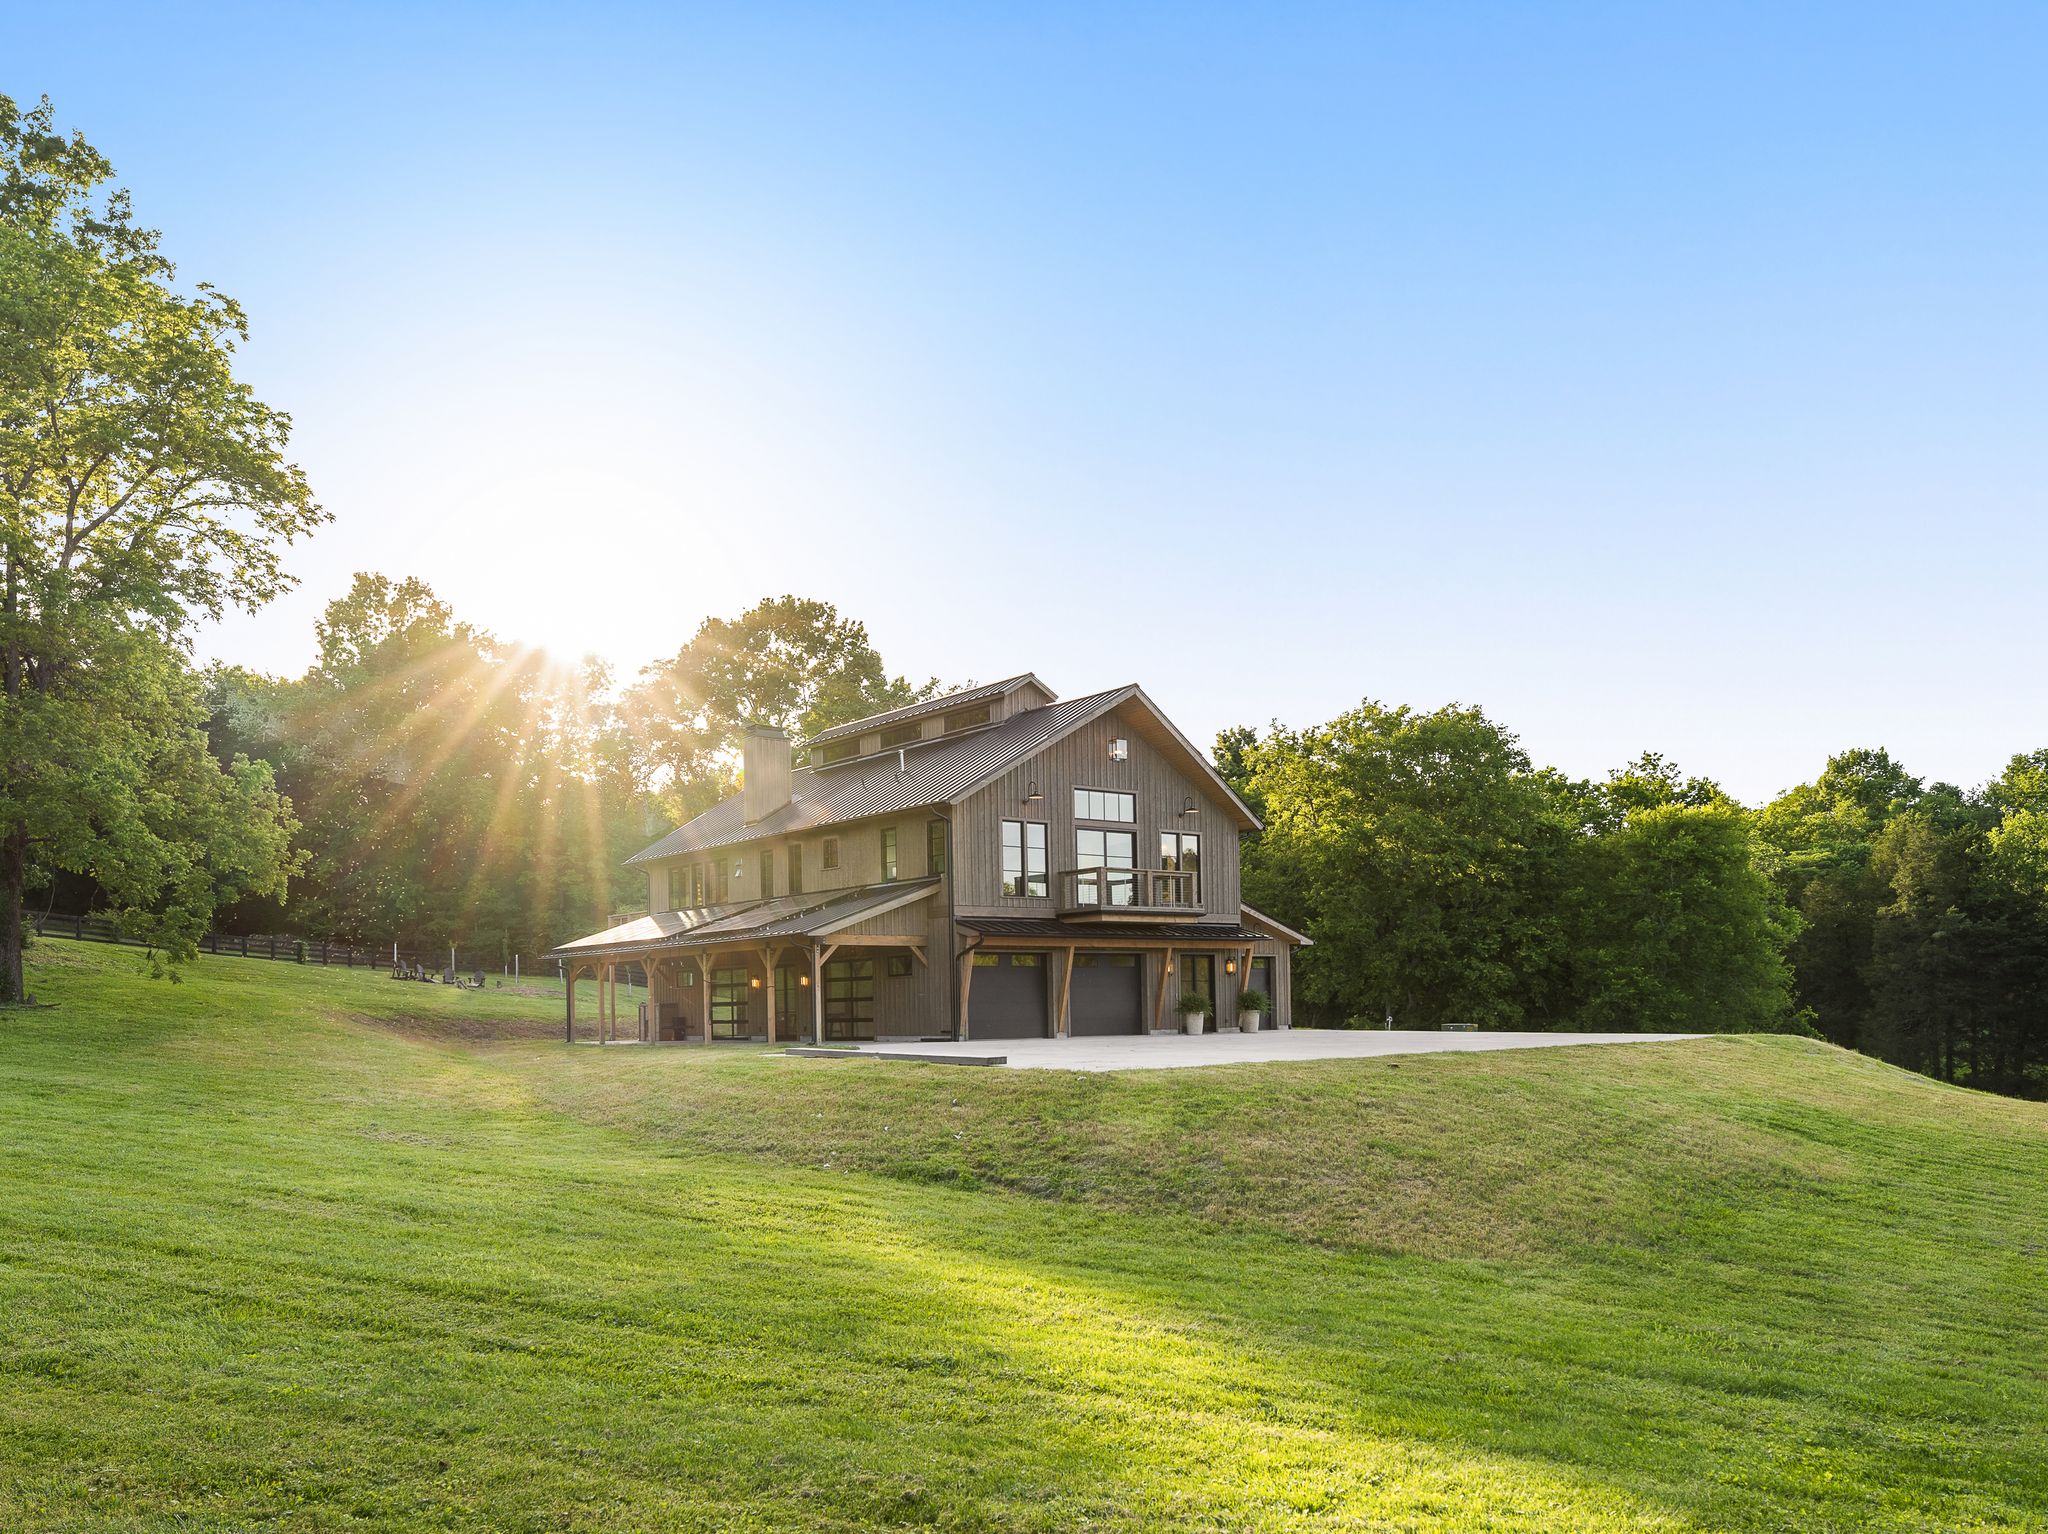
(786, 919)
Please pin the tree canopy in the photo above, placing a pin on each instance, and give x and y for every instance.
(141, 484)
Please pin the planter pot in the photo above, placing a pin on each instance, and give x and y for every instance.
(1192, 1022)
(1250, 1022)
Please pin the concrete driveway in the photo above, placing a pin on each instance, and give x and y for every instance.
(1154, 1052)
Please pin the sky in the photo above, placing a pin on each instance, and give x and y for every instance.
(1655, 377)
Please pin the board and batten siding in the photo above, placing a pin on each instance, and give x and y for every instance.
(1082, 761)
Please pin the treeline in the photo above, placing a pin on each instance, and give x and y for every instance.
(453, 788)
(1446, 878)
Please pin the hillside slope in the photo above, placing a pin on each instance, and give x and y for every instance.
(289, 1249)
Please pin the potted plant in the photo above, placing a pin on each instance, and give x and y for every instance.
(1251, 1010)
(1195, 1009)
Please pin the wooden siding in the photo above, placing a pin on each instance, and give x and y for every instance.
(1082, 761)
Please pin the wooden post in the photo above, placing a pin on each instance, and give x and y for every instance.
(704, 990)
(768, 985)
(1165, 979)
(966, 987)
(569, 1015)
(1061, 1022)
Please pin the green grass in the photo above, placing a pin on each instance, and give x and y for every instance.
(292, 1248)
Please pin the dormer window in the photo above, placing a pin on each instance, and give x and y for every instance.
(835, 751)
(967, 718)
(902, 735)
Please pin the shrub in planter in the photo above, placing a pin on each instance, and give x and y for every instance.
(1252, 1006)
(1195, 1009)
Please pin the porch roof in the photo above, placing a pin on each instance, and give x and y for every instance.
(753, 921)
(1178, 934)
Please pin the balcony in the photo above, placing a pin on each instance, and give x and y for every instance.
(1113, 894)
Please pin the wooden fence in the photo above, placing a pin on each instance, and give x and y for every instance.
(247, 945)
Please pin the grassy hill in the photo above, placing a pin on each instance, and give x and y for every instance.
(285, 1248)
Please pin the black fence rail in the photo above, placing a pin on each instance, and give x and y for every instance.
(289, 948)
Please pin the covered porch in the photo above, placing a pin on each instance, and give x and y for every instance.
(786, 970)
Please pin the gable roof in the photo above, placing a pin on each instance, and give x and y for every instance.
(934, 772)
(939, 705)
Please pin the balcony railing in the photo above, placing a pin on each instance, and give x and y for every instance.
(1129, 892)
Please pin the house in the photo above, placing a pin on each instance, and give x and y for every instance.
(997, 863)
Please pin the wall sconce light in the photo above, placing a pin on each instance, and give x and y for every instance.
(804, 981)
(739, 868)
(1119, 750)
(1230, 966)
(1169, 966)
(1191, 808)
(755, 982)
(1034, 796)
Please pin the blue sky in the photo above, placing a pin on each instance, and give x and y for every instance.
(1656, 377)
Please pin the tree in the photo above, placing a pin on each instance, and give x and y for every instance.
(140, 484)
(1421, 853)
(786, 661)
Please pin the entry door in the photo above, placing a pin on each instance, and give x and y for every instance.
(1261, 980)
(792, 1019)
(1198, 974)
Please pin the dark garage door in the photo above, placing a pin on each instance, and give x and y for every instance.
(1006, 999)
(1106, 996)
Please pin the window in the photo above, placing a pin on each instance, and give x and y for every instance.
(835, 751)
(903, 734)
(934, 846)
(850, 999)
(767, 872)
(831, 857)
(966, 718)
(716, 893)
(899, 965)
(1113, 850)
(1024, 857)
(795, 858)
(696, 885)
(1102, 804)
(888, 853)
(1182, 851)
(729, 1004)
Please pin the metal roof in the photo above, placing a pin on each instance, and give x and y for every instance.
(1185, 934)
(939, 772)
(785, 916)
(937, 705)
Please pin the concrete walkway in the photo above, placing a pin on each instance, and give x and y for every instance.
(1154, 1052)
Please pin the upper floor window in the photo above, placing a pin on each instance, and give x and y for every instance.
(767, 872)
(1181, 852)
(934, 846)
(795, 861)
(1024, 862)
(836, 750)
(903, 734)
(1103, 804)
(966, 718)
(830, 859)
(888, 853)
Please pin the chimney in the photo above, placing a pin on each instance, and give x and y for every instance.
(764, 772)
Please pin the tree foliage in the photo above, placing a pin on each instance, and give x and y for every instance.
(141, 484)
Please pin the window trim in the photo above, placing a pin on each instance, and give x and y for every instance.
(1027, 877)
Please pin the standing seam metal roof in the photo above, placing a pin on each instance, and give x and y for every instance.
(936, 772)
(936, 705)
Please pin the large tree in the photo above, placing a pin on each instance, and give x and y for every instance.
(787, 661)
(141, 485)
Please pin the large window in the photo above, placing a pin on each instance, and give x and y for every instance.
(1114, 850)
(1103, 804)
(1024, 867)
(729, 990)
(1181, 851)
(850, 999)
(888, 853)
(934, 846)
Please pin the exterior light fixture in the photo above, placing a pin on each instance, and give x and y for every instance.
(1119, 750)
(755, 982)
(1191, 808)
(1230, 966)
(1034, 796)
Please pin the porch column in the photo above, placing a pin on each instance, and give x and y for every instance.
(817, 993)
(1061, 1022)
(768, 985)
(704, 990)
(1165, 980)
(569, 1021)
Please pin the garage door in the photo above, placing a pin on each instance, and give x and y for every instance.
(1106, 995)
(1006, 999)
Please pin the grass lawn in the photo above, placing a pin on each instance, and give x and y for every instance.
(310, 1249)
